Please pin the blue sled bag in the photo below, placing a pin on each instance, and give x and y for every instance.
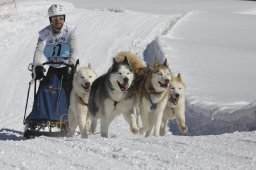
(50, 103)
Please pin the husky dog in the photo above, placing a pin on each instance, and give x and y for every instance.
(135, 62)
(78, 108)
(151, 90)
(111, 95)
(175, 107)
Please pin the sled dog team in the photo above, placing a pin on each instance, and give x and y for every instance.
(156, 95)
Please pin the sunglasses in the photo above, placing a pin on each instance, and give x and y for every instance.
(60, 17)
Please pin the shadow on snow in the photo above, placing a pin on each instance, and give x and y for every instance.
(9, 134)
(209, 119)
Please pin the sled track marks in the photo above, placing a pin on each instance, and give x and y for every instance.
(154, 50)
(160, 30)
(173, 22)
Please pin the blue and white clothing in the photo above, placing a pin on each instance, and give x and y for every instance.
(56, 47)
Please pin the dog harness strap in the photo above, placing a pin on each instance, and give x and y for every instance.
(81, 100)
(153, 105)
(173, 111)
(115, 103)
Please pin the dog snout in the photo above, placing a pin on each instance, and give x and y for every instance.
(87, 84)
(167, 81)
(177, 95)
(126, 80)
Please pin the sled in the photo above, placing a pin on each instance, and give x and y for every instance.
(49, 115)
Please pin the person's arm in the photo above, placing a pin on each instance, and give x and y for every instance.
(38, 55)
(73, 47)
(38, 69)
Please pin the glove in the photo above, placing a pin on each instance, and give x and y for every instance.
(68, 72)
(39, 71)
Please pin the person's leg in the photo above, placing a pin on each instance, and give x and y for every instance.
(67, 80)
(67, 85)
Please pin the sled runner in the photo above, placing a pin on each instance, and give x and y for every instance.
(49, 115)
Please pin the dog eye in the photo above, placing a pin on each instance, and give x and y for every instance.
(82, 77)
(180, 88)
(172, 88)
(160, 74)
(90, 76)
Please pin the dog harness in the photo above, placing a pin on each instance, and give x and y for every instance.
(153, 105)
(81, 100)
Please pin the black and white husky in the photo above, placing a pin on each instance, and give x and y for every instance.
(111, 95)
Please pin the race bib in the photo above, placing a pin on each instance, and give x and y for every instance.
(60, 51)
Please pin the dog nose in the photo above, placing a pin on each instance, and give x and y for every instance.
(167, 81)
(87, 84)
(177, 95)
(126, 80)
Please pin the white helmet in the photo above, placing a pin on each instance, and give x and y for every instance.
(56, 9)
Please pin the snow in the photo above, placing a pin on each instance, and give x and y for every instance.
(212, 45)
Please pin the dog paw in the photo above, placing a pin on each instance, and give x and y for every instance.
(155, 134)
(162, 132)
(141, 131)
(84, 135)
(71, 134)
(184, 129)
(135, 130)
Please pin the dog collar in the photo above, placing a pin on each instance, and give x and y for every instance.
(153, 105)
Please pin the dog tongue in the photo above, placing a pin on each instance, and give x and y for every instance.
(86, 87)
(163, 85)
(125, 86)
(173, 100)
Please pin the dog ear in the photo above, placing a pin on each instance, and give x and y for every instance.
(114, 65)
(126, 60)
(165, 62)
(114, 61)
(77, 66)
(179, 77)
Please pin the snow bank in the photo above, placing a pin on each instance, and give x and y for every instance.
(207, 118)
(153, 53)
(7, 8)
(202, 117)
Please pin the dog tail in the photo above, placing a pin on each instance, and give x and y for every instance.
(135, 62)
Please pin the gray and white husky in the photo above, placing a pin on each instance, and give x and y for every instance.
(111, 95)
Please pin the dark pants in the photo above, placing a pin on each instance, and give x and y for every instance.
(67, 73)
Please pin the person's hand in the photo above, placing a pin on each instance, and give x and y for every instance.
(39, 71)
(68, 72)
